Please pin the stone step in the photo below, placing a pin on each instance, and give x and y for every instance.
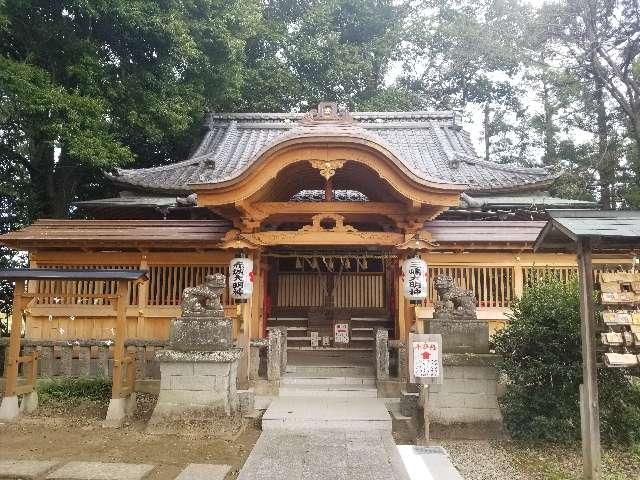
(293, 379)
(322, 413)
(332, 370)
(329, 349)
(339, 390)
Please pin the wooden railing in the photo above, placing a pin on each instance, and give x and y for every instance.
(494, 286)
(166, 282)
(352, 290)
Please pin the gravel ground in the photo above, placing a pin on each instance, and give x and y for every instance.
(482, 460)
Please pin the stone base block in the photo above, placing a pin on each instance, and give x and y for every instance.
(246, 402)
(390, 388)
(467, 431)
(29, 403)
(118, 411)
(409, 404)
(25, 469)
(461, 335)
(200, 334)
(197, 381)
(9, 409)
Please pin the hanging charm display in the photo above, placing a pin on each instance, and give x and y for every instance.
(241, 279)
(414, 279)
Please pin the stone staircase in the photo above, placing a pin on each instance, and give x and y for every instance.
(329, 381)
(362, 336)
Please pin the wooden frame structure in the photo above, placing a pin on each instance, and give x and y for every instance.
(587, 232)
(123, 377)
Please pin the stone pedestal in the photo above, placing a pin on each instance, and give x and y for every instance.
(461, 335)
(198, 373)
(196, 381)
(200, 334)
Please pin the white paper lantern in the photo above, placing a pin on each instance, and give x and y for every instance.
(414, 279)
(241, 278)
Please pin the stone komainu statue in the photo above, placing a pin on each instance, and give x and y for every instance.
(204, 300)
(454, 302)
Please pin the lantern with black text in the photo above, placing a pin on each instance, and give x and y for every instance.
(241, 278)
(414, 279)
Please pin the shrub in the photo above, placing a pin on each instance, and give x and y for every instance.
(541, 359)
(76, 388)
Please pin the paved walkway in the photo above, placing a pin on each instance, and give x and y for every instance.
(324, 454)
(329, 438)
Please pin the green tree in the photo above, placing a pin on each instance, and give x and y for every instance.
(542, 362)
(315, 50)
(87, 86)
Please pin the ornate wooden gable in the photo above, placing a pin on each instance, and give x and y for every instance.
(327, 151)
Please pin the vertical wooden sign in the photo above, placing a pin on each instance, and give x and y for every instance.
(425, 358)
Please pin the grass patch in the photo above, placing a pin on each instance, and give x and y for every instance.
(71, 389)
(564, 461)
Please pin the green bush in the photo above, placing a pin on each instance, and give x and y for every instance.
(541, 358)
(75, 388)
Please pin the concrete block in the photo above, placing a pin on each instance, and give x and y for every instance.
(274, 355)
(456, 385)
(192, 397)
(481, 400)
(203, 471)
(200, 334)
(447, 400)
(176, 368)
(461, 336)
(9, 409)
(195, 382)
(481, 373)
(101, 471)
(24, 469)
(246, 401)
(29, 403)
(428, 462)
(453, 372)
(382, 353)
(409, 404)
(211, 368)
(254, 362)
(116, 413)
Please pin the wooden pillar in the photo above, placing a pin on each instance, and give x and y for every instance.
(13, 352)
(518, 280)
(590, 411)
(121, 333)
(143, 297)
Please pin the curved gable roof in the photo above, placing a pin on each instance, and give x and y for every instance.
(429, 145)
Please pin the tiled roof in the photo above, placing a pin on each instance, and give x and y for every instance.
(430, 145)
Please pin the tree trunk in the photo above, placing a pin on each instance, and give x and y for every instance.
(605, 162)
(549, 130)
(53, 183)
(487, 133)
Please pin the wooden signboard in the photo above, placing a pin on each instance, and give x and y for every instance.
(425, 358)
(620, 297)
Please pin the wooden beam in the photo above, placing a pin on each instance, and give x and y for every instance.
(313, 208)
(590, 411)
(121, 333)
(13, 352)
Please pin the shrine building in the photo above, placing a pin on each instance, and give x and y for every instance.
(327, 205)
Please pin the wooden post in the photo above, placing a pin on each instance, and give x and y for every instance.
(143, 297)
(518, 280)
(590, 410)
(121, 332)
(13, 352)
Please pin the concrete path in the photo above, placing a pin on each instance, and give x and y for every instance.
(322, 413)
(37, 470)
(327, 424)
(324, 454)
